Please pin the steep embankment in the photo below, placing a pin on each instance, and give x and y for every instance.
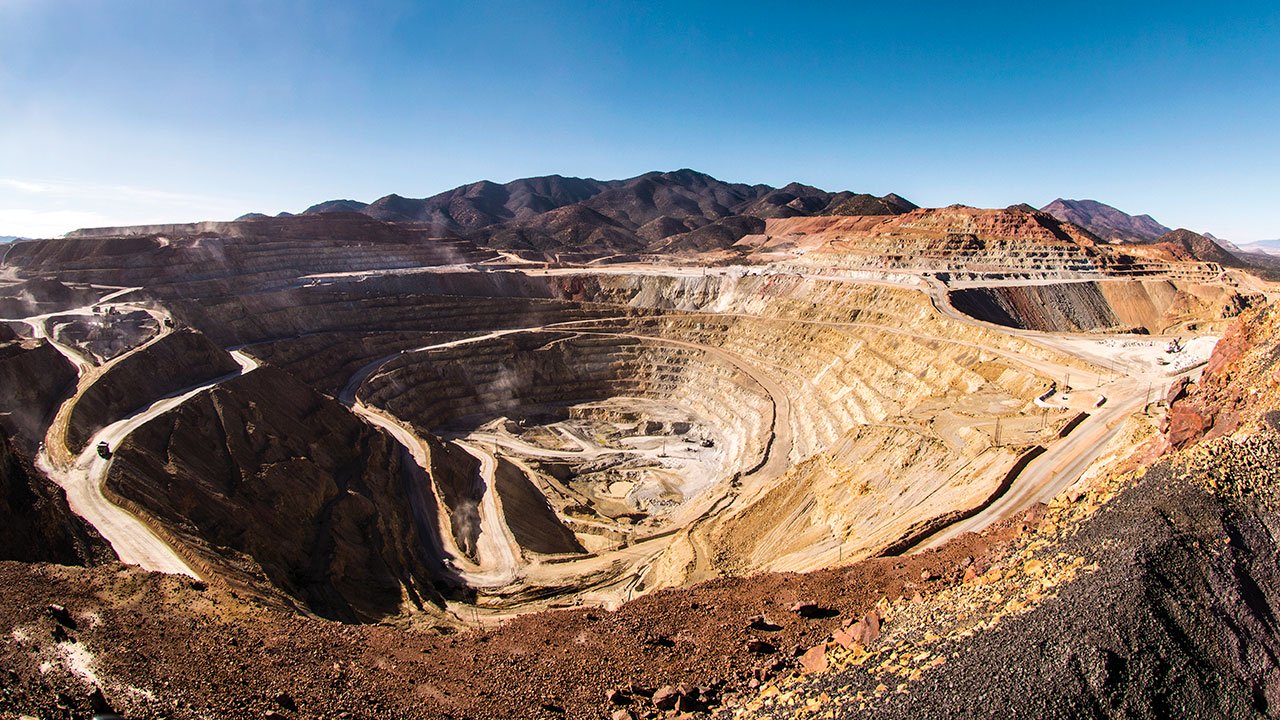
(178, 360)
(1155, 306)
(1146, 597)
(34, 380)
(266, 250)
(1241, 380)
(265, 479)
(36, 525)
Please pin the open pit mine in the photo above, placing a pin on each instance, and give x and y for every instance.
(631, 448)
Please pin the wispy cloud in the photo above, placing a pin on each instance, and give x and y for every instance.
(47, 223)
(91, 192)
(45, 208)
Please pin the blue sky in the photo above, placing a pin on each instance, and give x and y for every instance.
(119, 111)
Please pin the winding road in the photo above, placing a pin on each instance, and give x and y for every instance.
(82, 476)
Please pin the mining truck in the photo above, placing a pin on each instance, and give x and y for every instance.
(104, 450)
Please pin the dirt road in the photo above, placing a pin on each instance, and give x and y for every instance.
(133, 540)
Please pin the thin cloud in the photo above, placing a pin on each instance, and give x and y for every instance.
(47, 223)
(93, 192)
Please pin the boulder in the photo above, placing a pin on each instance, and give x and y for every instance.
(664, 698)
(814, 659)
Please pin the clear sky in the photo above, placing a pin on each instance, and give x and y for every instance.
(126, 111)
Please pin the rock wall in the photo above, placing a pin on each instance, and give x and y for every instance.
(34, 380)
(269, 316)
(178, 360)
(36, 525)
(1154, 306)
(533, 522)
(271, 482)
(261, 251)
(510, 375)
(1240, 383)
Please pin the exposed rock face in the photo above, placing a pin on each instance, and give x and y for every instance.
(955, 239)
(531, 519)
(264, 473)
(1189, 245)
(34, 380)
(178, 360)
(1238, 384)
(262, 250)
(1105, 221)
(1177, 620)
(1153, 305)
(1176, 617)
(36, 525)
(655, 212)
(1067, 307)
(32, 297)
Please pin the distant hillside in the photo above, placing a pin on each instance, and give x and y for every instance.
(1270, 247)
(1194, 246)
(336, 206)
(9, 238)
(1105, 221)
(656, 211)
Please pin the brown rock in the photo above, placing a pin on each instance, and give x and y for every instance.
(844, 639)
(814, 659)
(62, 616)
(762, 622)
(1177, 391)
(866, 629)
(665, 698)
(761, 647)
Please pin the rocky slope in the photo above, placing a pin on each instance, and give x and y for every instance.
(177, 360)
(1105, 221)
(681, 210)
(1150, 306)
(257, 251)
(286, 493)
(35, 296)
(1146, 596)
(1138, 593)
(1194, 246)
(35, 523)
(34, 380)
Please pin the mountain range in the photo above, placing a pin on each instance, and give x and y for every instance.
(666, 211)
(689, 211)
(1105, 221)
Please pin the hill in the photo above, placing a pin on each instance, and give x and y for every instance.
(1194, 246)
(556, 214)
(1105, 221)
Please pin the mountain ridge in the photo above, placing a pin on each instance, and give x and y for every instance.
(554, 213)
(1105, 221)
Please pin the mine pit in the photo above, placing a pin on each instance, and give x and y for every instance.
(512, 436)
(625, 462)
